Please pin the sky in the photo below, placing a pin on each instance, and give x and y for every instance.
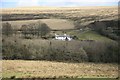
(56, 3)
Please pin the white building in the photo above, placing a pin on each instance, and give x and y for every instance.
(63, 37)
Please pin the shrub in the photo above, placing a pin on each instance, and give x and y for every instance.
(101, 51)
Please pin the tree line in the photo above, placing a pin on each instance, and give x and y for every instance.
(39, 29)
(15, 49)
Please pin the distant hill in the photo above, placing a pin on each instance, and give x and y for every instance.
(66, 17)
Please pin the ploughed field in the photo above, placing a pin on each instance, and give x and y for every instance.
(49, 69)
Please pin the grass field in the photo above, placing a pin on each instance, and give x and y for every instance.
(52, 23)
(90, 35)
(58, 23)
(47, 69)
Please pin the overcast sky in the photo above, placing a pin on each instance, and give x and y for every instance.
(57, 3)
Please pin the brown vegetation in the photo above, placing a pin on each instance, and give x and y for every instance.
(49, 69)
(84, 15)
(52, 50)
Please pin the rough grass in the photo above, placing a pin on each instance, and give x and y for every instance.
(48, 69)
(83, 15)
(80, 11)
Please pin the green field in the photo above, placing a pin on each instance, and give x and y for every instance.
(90, 35)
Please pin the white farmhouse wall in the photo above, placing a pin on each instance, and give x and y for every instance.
(62, 37)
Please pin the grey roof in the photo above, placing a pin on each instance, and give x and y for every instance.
(62, 36)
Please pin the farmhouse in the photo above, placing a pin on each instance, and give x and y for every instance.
(64, 37)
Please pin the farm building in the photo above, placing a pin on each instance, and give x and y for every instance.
(64, 37)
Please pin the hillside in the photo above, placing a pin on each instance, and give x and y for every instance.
(84, 15)
(90, 35)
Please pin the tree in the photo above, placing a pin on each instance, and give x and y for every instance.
(43, 29)
(100, 27)
(24, 30)
(32, 29)
(7, 29)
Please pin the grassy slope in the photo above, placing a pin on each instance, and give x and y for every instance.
(58, 23)
(85, 14)
(90, 35)
(45, 69)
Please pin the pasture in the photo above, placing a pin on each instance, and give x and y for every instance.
(48, 69)
(90, 35)
(56, 24)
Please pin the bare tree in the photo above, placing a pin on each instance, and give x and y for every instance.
(24, 30)
(7, 29)
(43, 29)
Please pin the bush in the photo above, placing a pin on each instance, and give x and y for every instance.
(73, 51)
(15, 50)
(101, 51)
